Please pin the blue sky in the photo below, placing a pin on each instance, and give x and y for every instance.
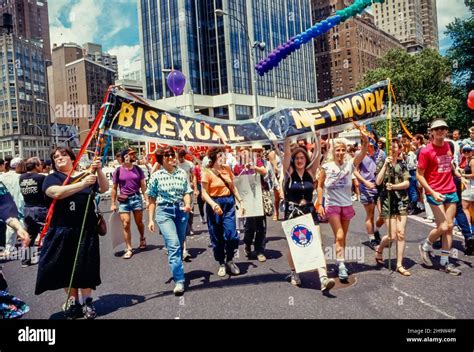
(114, 24)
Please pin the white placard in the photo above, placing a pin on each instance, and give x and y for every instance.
(250, 190)
(304, 240)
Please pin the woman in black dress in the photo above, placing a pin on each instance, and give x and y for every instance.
(62, 239)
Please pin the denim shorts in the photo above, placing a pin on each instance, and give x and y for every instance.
(133, 203)
(367, 197)
(450, 198)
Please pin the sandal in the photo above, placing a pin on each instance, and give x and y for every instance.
(400, 269)
(143, 243)
(128, 254)
(379, 260)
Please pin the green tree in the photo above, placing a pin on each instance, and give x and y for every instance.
(421, 80)
(461, 52)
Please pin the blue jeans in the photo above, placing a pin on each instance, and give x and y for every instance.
(172, 222)
(412, 194)
(222, 229)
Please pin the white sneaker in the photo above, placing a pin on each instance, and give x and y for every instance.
(429, 220)
(178, 289)
(221, 272)
(234, 269)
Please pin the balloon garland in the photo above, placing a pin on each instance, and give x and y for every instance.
(284, 50)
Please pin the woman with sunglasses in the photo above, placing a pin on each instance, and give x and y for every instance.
(220, 194)
(74, 205)
(169, 192)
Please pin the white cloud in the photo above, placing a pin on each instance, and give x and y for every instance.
(125, 56)
(447, 12)
(84, 18)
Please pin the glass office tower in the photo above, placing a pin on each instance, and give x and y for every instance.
(215, 53)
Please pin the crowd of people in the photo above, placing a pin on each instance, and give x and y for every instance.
(322, 177)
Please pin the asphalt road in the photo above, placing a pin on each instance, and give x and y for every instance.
(140, 288)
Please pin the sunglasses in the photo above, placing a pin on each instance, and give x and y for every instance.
(170, 155)
(440, 129)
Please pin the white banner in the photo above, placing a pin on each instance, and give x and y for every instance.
(304, 240)
(250, 190)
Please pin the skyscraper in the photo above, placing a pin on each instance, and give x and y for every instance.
(77, 86)
(94, 53)
(217, 53)
(348, 51)
(24, 120)
(30, 21)
(429, 19)
(413, 22)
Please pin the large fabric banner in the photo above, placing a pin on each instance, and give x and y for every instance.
(133, 119)
(304, 240)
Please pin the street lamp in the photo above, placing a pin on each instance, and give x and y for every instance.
(252, 45)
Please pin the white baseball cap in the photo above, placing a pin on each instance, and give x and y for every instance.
(438, 123)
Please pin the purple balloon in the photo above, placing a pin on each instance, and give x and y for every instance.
(176, 82)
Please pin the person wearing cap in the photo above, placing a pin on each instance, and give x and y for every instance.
(130, 178)
(46, 167)
(435, 174)
(11, 180)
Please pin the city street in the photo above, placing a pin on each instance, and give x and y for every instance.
(141, 288)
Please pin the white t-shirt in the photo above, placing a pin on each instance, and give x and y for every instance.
(338, 184)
